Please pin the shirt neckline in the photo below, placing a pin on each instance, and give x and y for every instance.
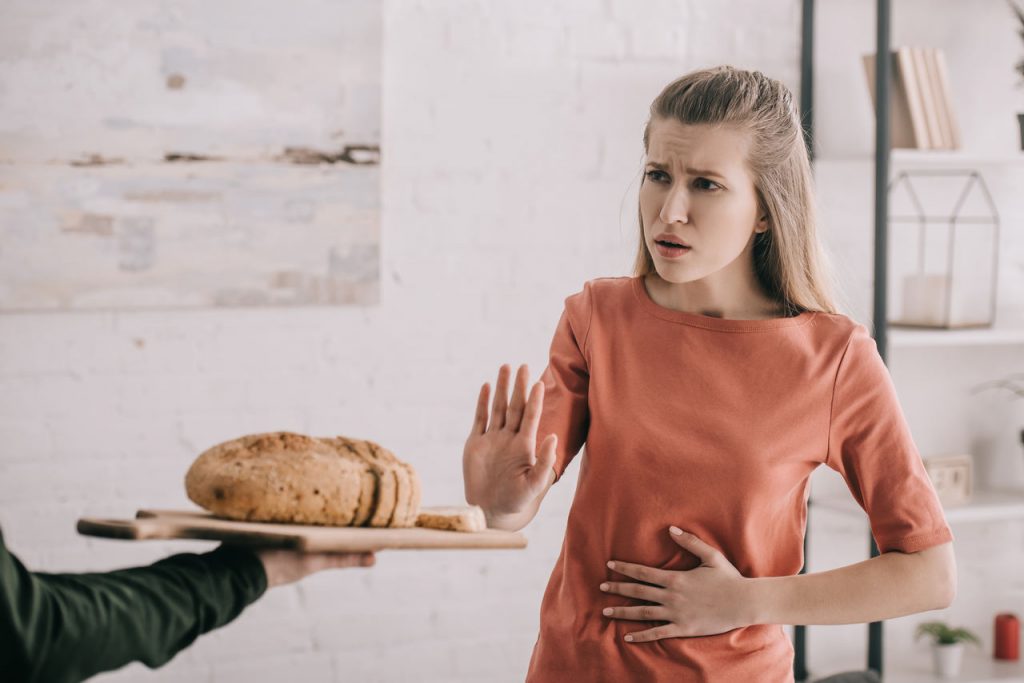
(709, 322)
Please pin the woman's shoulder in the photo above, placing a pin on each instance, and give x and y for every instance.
(841, 331)
(601, 291)
(606, 286)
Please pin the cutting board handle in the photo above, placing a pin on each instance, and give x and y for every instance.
(146, 527)
(134, 529)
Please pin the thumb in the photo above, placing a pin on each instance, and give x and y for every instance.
(538, 474)
(708, 555)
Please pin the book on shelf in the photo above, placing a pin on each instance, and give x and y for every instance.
(921, 113)
(947, 98)
(903, 133)
(931, 64)
(906, 74)
(931, 113)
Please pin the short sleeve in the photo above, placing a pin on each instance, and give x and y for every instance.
(566, 381)
(870, 445)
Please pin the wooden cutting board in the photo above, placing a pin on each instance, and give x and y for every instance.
(167, 524)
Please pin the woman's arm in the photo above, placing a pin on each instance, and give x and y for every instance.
(714, 597)
(894, 584)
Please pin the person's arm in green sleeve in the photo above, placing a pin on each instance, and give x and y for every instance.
(66, 627)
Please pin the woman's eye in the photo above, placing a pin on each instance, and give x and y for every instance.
(702, 183)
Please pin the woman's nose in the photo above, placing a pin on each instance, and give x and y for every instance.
(676, 208)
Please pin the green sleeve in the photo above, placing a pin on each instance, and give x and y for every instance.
(67, 627)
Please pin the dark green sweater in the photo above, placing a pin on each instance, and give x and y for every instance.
(60, 628)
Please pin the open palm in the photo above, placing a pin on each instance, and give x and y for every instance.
(501, 467)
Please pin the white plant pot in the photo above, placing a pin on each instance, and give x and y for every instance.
(948, 659)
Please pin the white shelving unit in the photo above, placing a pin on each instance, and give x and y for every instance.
(903, 338)
(902, 157)
(985, 506)
(978, 667)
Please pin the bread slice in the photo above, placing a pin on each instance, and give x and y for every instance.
(453, 518)
(385, 499)
(398, 480)
(367, 498)
(280, 477)
(407, 504)
(414, 504)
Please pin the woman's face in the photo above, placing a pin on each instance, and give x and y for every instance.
(697, 188)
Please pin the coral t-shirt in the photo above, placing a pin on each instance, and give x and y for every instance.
(713, 425)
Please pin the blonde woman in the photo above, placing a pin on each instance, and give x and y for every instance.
(707, 388)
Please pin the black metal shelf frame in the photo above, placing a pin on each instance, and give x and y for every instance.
(879, 314)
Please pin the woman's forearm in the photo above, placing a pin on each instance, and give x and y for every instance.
(891, 585)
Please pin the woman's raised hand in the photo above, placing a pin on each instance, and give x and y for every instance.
(501, 468)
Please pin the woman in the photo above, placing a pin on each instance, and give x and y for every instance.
(707, 388)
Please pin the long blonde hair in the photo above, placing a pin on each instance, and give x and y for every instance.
(789, 261)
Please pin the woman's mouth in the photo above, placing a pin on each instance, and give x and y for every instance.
(670, 250)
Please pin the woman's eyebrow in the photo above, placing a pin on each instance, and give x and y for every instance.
(692, 171)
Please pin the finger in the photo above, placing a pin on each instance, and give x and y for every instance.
(532, 411)
(659, 577)
(480, 419)
(641, 613)
(656, 633)
(515, 408)
(636, 590)
(500, 407)
(342, 560)
(708, 554)
(544, 466)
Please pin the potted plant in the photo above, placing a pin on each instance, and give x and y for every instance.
(947, 646)
(1020, 65)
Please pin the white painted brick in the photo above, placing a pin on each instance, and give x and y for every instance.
(26, 438)
(598, 40)
(495, 658)
(398, 662)
(304, 667)
(29, 481)
(662, 41)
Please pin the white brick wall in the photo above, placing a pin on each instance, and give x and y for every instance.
(511, 140)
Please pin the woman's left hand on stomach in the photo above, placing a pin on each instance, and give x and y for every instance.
(704, 601)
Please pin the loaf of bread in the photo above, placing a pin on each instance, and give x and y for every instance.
(293, 478)
(465, 518)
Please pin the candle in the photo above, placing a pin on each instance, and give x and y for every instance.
(1007, 637)
(924, 299)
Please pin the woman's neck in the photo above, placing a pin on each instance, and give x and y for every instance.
(674, 297)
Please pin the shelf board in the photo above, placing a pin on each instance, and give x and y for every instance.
(900, 157)
(984, 506)
(978, 667)
(988, 336)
